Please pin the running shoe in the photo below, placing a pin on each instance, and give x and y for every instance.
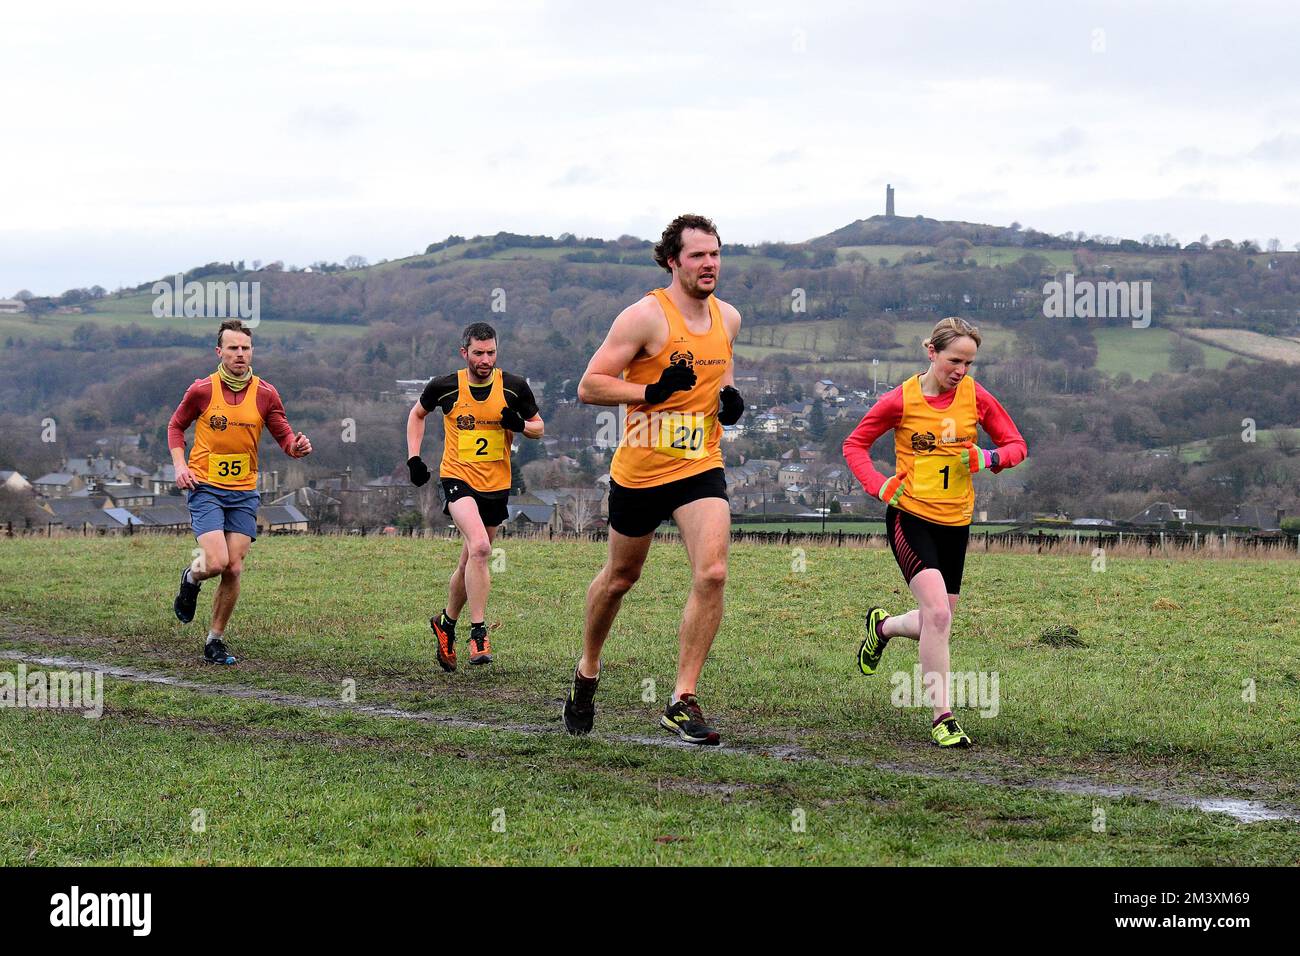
(214, 652)
(480, 648)
(686, 720)
(873, 646)
(187, 598)
(948, 733)
(580, 705)
(446, 634)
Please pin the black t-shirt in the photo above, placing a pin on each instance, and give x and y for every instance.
(441, 393)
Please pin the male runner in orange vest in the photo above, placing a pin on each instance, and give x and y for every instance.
(229, 408)
(668, 359)
(482, 407)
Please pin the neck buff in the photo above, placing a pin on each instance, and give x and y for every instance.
(234, 382)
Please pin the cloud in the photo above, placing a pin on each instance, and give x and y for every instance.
(1282, 148)
(328, 119)
(783, 156)
(577, 176)
(1066, 141)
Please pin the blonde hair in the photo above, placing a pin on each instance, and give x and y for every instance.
(945, 330)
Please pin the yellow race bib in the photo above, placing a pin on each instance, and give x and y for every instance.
(683, 434)
(487, 445)
(938, 477)
(228, 467)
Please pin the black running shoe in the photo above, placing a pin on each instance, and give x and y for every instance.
(580, 705)
(686, 720)
(187, 598)
(214, 652)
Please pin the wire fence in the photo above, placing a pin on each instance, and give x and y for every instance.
(1171, 544)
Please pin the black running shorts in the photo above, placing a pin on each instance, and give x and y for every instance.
(919, 544)
(491, 504)
(636, 512)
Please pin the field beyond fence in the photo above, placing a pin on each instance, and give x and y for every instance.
(1196, 544)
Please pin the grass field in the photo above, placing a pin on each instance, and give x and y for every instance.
(1251, 344)
(1144, 352)
(818, 766)
(118, 313)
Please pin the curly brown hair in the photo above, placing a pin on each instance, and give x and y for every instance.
(670, 243)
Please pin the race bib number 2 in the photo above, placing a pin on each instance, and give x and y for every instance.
(229, 467)
(481, 445)
(938, 477)
(683, 434)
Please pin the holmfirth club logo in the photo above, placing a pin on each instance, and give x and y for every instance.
(923, 442)
(686, 358)
(217, 423)
(465, 422)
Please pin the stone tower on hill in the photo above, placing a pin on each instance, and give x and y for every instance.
(889, 200)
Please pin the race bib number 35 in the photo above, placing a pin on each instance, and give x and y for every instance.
(937, 477)
(683, 434)
(229, 467)
(481, 445)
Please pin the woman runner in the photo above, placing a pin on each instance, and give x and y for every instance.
(930, 499)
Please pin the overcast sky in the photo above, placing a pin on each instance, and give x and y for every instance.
(141, 139)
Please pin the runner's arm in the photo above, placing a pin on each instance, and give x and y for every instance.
(520, 398)
(884, 415)
(277, 423)
(187, 412)
(602, 383)
(995, 421)
(731, 319)
(415, 430)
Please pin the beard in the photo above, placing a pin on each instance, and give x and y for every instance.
(693, 288)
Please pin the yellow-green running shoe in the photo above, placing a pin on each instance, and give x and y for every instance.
(871, 649)
(948, 733)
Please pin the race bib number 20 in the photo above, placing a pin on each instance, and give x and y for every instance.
(683, 434)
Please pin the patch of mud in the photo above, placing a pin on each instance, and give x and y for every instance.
(1245, 811)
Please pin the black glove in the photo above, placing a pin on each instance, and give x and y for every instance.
(511, 419)
(419, 471)
(733, 406)
(676, 378)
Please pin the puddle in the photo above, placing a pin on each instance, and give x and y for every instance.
(1245, 811)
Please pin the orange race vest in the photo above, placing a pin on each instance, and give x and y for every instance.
(475, 448)
(928, 446)
(225, 440)
(680, 437)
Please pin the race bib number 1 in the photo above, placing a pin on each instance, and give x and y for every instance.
(229, 467)
(482, 445)
(683, 434)
(937, 477)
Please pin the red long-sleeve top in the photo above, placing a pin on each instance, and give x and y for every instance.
(198, 395)
(887, 413)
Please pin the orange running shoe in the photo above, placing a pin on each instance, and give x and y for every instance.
(480, 648)
(445, 630)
